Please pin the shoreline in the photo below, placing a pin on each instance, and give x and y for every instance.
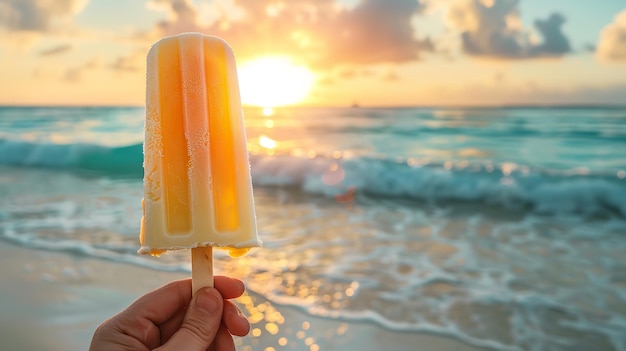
(62, 298)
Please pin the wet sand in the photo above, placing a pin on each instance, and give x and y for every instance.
(62, 298)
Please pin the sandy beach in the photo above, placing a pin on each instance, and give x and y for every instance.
(62, 298)
(370, 247)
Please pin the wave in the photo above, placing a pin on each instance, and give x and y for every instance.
(527, 335)
(511, 187)
(119, 160)
(502, 185)
(469, 129)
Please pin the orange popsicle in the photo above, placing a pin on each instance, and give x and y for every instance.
(197, 188)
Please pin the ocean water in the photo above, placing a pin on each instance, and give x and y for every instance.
(501, 227)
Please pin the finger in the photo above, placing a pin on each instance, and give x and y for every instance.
(224, 341)
(201, 323)
(176, 295)
(234, 320)
(161, 304)
(230, 288)
(171, 326)
(142, 319)
(232, 316)
(109, 337)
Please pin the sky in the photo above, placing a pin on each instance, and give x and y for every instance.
(325, 52)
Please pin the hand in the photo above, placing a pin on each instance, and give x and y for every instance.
(169, 319)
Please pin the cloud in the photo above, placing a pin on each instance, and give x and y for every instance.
(36, 15)
(75, 74)
(555, 43)
(182, 16)
(323, 33)
(612, 42)
(376, 31)
(131, 63)
(55, 50)
(492, 28)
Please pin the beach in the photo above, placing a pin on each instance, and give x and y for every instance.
(63, 298)
(403, 228)
(426, 175)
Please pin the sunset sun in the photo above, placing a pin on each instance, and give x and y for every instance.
(274, 81)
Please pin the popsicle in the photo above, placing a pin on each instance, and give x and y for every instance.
(197, 186)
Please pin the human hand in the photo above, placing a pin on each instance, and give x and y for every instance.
(169, 319)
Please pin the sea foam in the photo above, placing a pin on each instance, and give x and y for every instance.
(515, 187)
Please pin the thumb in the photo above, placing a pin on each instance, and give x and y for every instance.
(201, 323)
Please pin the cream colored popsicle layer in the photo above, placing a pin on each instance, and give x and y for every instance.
(197, 188)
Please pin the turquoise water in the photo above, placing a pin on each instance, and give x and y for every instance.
(502, 227)
(574, 140)
(556, 160)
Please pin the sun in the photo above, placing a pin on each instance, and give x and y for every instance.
(274, 81)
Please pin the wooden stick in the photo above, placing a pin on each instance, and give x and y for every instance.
(201, 268)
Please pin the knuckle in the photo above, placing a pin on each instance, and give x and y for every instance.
(198, 327)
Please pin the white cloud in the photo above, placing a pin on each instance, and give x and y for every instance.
(324, 33)
(612, 42)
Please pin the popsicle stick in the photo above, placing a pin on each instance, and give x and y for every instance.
(201, 268)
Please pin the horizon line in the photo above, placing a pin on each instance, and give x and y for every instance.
(357, 106)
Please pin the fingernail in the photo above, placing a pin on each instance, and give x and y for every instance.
(207, 301)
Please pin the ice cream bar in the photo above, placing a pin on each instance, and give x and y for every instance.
(197, 188)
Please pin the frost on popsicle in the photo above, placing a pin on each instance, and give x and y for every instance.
(197, 186)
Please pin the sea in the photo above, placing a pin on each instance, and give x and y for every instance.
(503, 227)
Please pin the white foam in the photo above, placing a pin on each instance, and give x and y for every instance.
(543, 193)
(528, 265)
